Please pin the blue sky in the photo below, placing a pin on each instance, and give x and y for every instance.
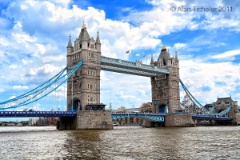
(34, 35)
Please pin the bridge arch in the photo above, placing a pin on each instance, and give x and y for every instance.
(162, 109)
(75, 105)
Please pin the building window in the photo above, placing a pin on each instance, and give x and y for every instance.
(92, 98)
(80, 85)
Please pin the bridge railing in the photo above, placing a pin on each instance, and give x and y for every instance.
(150, 116)
(37, 114)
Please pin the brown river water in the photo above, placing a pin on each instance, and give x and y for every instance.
(122, 143)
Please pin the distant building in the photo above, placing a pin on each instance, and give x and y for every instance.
(223, 103)
(42, 121)
(132, 110)
(128, 120)
(187, 102)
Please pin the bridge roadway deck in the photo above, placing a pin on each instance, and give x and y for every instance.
(150, 116)
(7, 114)
(211, 117)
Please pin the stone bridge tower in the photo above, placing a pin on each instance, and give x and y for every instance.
(166, 92)
(83, 88)
(165, 88)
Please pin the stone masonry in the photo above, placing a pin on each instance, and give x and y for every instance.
(165, 88)
(83, 89)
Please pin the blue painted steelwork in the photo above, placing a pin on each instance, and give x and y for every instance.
(211, 111)
(192, 98)
(122, 65)
(203, 109)
(216, 116)
(7, 114)
(150, 116)
(211, 117)
(128, 71)
(115, 116)
(41, 91)
(224, 112)
(39, 88)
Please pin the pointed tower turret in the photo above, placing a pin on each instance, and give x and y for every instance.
(69, 51)
(83, 37)
(164, 55)
(69, 43)
(176, 57)
(98, 43)
(152, 61)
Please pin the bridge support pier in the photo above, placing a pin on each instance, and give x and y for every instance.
(149, 123)
(86, 120)
(66, 123)
(178, 120)
(94, 120)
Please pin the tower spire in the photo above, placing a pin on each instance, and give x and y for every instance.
(176, 56)
(98, 39)
(69, 42)
(152, 60)
(83, 25)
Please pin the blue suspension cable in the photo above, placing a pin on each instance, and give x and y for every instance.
(36, 96)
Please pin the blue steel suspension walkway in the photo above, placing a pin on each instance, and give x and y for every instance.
(108, 64)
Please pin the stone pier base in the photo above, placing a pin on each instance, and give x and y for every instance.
(179, 120)
(149, 123)
(146, 123)
(94, 120)
(66, 123)
(87, 120)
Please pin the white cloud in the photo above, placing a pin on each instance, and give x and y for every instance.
(46, 69)
(197, 74)
(1, 90)
(13, 66)
(20, 87)
(22, 38)
(180, 45)
(12, 97)
(227, 54)
(124, 90)
(25, 62)
(60, 58)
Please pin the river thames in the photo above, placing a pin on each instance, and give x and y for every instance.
(122, 143)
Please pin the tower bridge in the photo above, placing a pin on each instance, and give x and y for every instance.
(84, 110)
(163, 73)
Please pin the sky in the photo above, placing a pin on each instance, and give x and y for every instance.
(205, 34)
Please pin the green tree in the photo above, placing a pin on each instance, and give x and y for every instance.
(146, 107)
